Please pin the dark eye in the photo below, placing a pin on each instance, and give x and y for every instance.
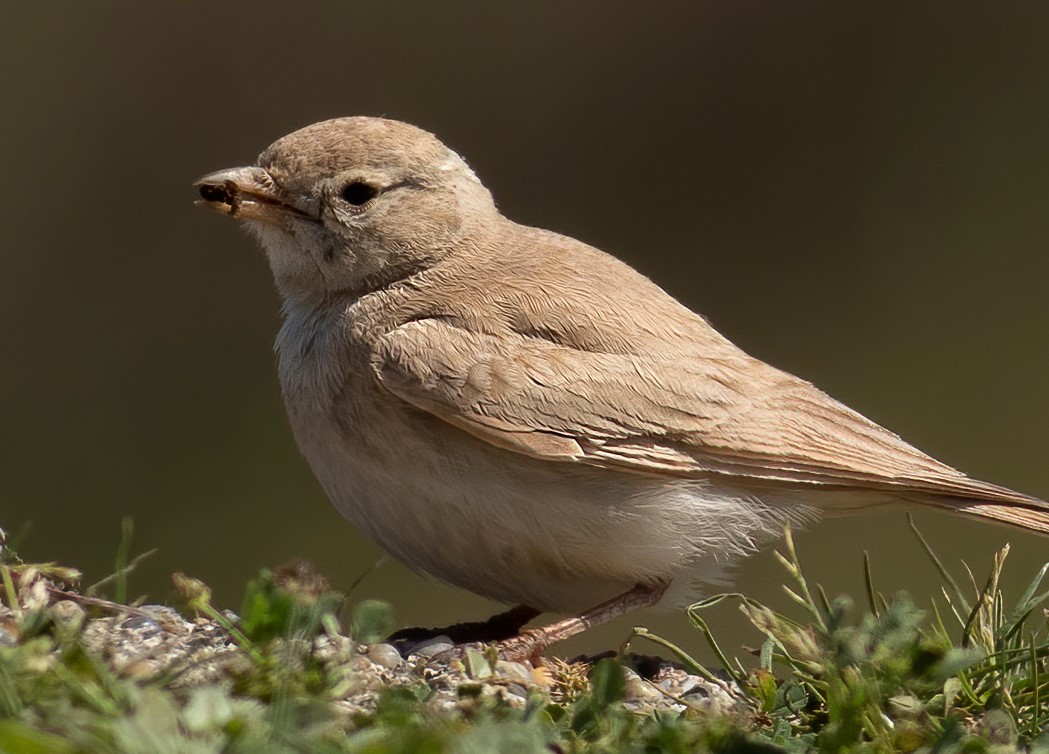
(358, 193)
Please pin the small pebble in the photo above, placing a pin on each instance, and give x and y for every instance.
(477, 665)
(638, 690)
(695, 688)
(517, 690)
(384, 655)
(514, 671)
(361, 664)
(433, 647)
(138, 622)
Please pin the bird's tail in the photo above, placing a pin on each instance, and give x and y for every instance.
(1032, 519)
(991, 502)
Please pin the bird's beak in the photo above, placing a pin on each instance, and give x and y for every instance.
(247, 193)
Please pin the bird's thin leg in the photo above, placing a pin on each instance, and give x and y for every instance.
(496, 628)
(530, 644)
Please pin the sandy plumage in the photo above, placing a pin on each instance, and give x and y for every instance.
(518, 413)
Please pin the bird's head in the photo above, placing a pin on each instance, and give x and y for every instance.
(351, 205)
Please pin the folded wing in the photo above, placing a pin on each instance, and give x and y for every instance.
(687, 415)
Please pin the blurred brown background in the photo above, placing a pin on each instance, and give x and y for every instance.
(854, 192)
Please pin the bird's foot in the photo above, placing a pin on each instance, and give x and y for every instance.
(497, 628)
(530, 644)
(505, 632)
(527, 646)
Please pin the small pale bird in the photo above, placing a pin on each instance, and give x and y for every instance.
(517, 413)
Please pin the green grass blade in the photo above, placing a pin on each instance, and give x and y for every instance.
(868, 582)
(686, 659)
(944, 573)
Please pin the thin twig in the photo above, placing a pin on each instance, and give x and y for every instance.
(123, 572)
(82, 599)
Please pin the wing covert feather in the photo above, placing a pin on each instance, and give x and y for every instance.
(535, 395)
